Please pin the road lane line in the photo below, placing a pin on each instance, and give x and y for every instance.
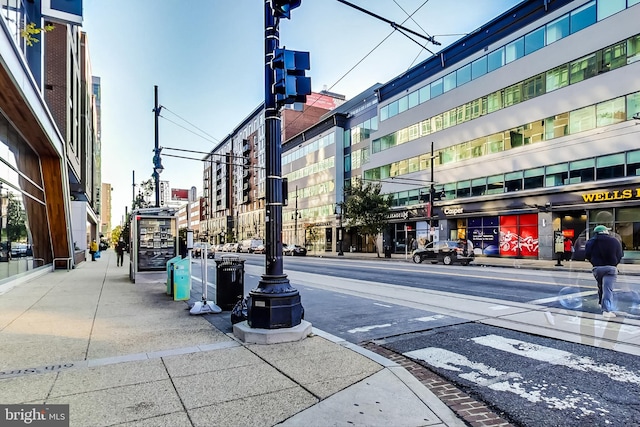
(368, 328)
(559, 297)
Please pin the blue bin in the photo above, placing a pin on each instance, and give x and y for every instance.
(170, 274)
(182, 280)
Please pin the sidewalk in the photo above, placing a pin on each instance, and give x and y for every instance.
(127, 354)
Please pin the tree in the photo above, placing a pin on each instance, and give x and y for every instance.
(115, 235)
(312, 235)
(16, 220)
(366, 209)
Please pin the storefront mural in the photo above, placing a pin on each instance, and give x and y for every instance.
(519, 235)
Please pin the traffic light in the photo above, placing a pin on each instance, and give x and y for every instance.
(291, 85)
(283, 8)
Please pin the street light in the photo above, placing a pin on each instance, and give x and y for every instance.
(339, 210)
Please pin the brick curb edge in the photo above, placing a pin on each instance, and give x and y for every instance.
(470, 410)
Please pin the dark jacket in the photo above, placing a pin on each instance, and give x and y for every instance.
(603, 249)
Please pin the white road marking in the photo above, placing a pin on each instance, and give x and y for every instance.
(368, 328)
(559, 297)
(429, 318)
(499, 307)
(558, 357)
(604, 324)
(563, 398)
(382, 305)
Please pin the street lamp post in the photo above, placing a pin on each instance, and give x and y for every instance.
(339, 211)
(157, 163)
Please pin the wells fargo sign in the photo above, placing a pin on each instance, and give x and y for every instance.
(612, 195)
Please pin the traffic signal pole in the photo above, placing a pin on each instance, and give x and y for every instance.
(274, 303)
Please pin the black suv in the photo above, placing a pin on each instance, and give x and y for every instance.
(445, 251)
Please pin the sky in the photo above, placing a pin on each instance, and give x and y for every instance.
(207, 59)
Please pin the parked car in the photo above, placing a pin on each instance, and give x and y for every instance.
(261, 249)
(18, 250)
(249, 245)
(198, 247)
(293, 250)
(231, 247)
(446, 251)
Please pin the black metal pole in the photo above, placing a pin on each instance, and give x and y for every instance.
(274, 303)
(432, 194)
(156, 175)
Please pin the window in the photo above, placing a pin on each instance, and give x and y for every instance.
(495, 59)
(633, 105)
(557, 78)
(450, 191)
(556, 175)
(633, 49)
(613, 57)
(633, 163)
(609, 7)
(424, 94)
(558, 29)
(533, 178)
(513, 95)
(514, 50)
(513, 181)
(450, 81)
(479, 67)
(436, 88)
(556, 126)
(534, 41)
(413, 99)
(582, 171)
(463, 75)
(393, 109)
(347, 163)
(608, 167)
(478, 187)
(384, 113)
(494, 101)
(464, 188)
(610, 112)
(583, 68)
(584, 16)
(582, 119)
(533, 87)
(403, 104)
(495, 184)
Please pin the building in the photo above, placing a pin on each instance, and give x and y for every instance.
(43, 162)
(234, 173)
(105, 211)
(533, 123)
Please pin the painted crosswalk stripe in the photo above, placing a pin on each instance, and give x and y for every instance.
(368, 328)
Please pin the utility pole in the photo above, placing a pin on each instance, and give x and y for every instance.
(295, 231)
(157, 164)
(432, 196)
(275, 303)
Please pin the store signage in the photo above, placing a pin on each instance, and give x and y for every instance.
(612, 195)
(453, 211)
(399, 215)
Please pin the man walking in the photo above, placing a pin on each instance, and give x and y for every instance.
(120, 248)
(605, 253)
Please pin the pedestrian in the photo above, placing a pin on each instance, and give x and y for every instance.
(605, 253)
(121, 246)
(568, 249)
(93, 248)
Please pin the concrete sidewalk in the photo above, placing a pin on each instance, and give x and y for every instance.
(127, 354)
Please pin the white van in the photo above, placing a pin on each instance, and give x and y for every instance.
(249, 245)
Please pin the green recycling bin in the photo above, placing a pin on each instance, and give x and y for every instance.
(229, 281)
(182, 280)
(170, 274)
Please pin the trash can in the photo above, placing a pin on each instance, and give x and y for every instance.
(387, 251)
(229, 281)
(170, 274)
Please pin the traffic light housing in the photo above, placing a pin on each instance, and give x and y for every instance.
(290, 83)
(283, 8)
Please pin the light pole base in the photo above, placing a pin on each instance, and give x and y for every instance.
(250, 335)
(274, 304)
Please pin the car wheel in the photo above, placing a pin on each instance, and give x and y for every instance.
(447, 260)
(417, 259)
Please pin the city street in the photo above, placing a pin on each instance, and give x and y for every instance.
(526, 342)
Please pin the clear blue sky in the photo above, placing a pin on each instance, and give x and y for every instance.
(207, 59)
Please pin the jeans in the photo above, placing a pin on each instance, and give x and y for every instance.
(606, 276)
(120, 259)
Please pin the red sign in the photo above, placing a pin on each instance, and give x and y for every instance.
(179, 194)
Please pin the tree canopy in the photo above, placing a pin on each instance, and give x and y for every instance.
(366, 209)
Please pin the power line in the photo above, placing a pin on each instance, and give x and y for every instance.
(186, 121)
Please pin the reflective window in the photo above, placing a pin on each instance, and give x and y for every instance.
(513, 181)
(436, 88)
(463, 75)
(478, 186)
(393, 109)
(582, 171)
(582, 119)
(403, 104)
(514, 50)
(633, 163)
(534, 41)
(495, 184)
(557, 78)
(610, 112)
(556, 175)
(450, 81)
(608, 167)
(533, 178)
(557, 29)
(583, 17)
(479, 67)
(609, 7)
(495, 60)
(424, 94)
(582, 68)
(413, 99)
(633, 105)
